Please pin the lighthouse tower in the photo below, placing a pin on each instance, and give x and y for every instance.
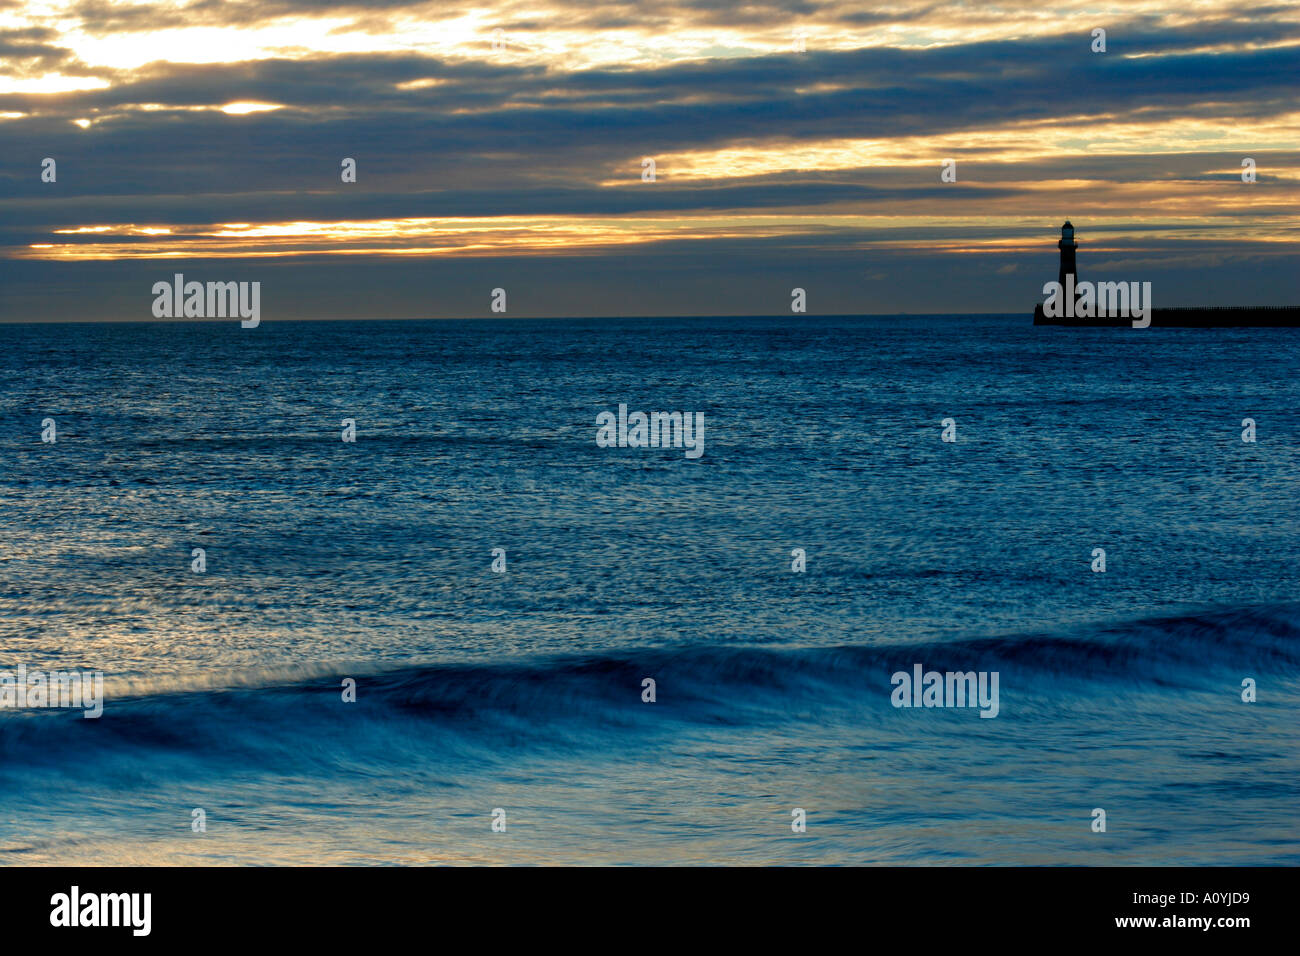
(1067, 245)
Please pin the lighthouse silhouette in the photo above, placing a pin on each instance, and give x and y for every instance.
(1067, 245)
(1205, 317)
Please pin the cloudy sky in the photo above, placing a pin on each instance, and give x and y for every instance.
(501, 144)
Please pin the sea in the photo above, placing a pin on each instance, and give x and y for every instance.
(309, 657)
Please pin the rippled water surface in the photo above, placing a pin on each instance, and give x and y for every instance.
(523, 690)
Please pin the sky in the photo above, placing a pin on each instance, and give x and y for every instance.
(796, 144)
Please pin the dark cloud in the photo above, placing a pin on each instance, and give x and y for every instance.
(26, 51)
(732, 277)
(494, 138)
(486, 123)
(106, 16)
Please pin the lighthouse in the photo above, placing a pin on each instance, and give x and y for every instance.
(1067, 245)
(1104, 304)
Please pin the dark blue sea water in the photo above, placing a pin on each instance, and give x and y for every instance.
(523, 690)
